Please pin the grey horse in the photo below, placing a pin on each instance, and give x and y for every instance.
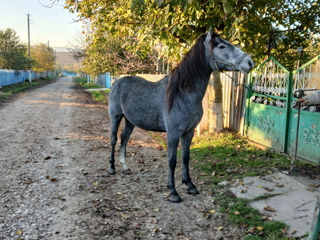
(173, 104)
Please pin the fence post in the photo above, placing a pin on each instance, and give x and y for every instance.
(30, 75)
(108, 80)
(249, 94)
(288, 108)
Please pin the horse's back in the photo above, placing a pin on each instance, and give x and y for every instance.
(142, 102)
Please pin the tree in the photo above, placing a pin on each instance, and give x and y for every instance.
(12, 52)
(111, 54)
(43, 58)
(261, 27)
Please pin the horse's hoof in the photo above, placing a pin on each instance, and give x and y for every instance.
(174, 198)
(112, 171)
(193, 191)
(127, 171)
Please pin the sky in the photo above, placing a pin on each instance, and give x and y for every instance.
(54, 24)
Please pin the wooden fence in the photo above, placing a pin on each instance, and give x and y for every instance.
(234, 95)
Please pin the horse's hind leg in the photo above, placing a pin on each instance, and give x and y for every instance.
(115, 121)
(125, 135)
(186, 139)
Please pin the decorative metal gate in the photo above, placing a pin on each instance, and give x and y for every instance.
(270, 118)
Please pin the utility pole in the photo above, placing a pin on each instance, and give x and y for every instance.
(30, 75)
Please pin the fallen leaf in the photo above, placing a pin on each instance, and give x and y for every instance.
(212, 211)
(236, 213)
(279, 185)
(154, 221)
(284, 231)
(166, 194)
(269, 209)
(293, 232)
(259, 186)
(95, 184)
(19, 232)
(53, 179)
(156, 210)
(213, 173)
(61, 198)
(310, 189)
(259, 228)
(243, 190)
(47, 157)
(268, 189)
(206, 215)
(314, 185)
(220, 228)
(125, 216)
(120, 198)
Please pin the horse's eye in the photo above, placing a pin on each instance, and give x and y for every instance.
(221, 46)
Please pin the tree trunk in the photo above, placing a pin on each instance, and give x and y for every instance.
(215, 103)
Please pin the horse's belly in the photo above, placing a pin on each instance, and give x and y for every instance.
(148, 119)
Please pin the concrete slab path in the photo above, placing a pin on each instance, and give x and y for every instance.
(284, 198)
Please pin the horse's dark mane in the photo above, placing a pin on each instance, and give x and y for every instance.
(184, 75)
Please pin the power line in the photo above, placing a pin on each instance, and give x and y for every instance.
(50, 5)
(22, 5)
(50, 30)
(22, 25)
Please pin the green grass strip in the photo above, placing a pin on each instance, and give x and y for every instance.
(10, 90)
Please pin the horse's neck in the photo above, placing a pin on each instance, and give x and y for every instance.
(201, 84)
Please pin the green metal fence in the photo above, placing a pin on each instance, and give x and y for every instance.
(270, 118)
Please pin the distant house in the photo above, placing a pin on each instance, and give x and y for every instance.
(66, 61)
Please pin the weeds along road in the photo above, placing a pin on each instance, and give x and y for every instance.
(54, 146)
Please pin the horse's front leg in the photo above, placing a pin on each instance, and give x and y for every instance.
(186, 139)
(173, 142)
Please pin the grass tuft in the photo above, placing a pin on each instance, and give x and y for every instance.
(99, 96)
(83, 82)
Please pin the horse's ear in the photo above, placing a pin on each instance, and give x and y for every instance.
(208, 37)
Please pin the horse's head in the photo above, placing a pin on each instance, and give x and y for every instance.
(222, 55)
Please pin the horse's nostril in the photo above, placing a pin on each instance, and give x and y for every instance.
(250, 63)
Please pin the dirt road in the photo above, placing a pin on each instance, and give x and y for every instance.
(54, 146)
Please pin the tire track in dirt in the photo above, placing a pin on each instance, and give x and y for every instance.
(54, 146)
